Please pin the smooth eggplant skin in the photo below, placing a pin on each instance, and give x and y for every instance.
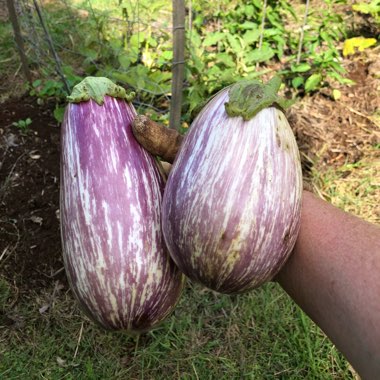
(110, 201)
(231, 208)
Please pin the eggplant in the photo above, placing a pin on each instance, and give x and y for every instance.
(111, 192)
(232, 203)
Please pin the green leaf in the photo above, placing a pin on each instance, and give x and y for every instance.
(339, 78)
(373, 7)
(137, 40)
(248, 25)
(338, 67)
(228, 76)
(124, 60)
(249, 10)
(213, 38)
(257, 55)
(313, 82)
(90, 53)
(58, 113)
(300, 68)
(297, 82)
(196, 41)
(214, 71)
(115, 43)
(234, 43)
(251, 36)
(165, 57)
(152, 42)
(225, 59)
(270, 32)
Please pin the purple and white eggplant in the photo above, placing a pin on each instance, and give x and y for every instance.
(231, 208)
(111, 194)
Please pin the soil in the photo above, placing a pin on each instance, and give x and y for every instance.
(30, 249)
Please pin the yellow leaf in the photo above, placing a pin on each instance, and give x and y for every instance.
(336, 94)
(357, 42)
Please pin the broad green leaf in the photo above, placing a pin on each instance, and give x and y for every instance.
(300, 68)
(214, 71)
(37, 83)
(372, 8)
(313, 82)
(271, 32)
(165, 57)
(115, 43)
(58, 113)
(249, 10)
(152, 42)
(137, 40)
(90, 53)
(160, 76)
(251, 36)
(298, 81)
(228, 76)
(234, 43)
(213, 38)
(124, 60)
(248, 25)
(225, 59)
(195, 39)
(257, 55)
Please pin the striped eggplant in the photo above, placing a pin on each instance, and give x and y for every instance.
(231, 207)
(110, 201)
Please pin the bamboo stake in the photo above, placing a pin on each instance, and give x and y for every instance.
(19, 40)
(178, 63)
(262, 28)
(302, 32)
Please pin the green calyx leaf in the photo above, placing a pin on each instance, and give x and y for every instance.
(96, 88)
(248, 98)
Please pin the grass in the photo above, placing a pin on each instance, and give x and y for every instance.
(259, 335)
(354, 188)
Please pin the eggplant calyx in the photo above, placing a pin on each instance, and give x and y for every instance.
(96, 88)
(248, 98)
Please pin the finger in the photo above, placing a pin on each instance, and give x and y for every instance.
(156, 139)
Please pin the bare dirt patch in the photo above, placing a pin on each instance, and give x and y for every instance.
(30, 252)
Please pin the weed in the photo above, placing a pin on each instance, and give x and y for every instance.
(23, 125)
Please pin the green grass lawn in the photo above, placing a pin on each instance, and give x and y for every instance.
(259, 335)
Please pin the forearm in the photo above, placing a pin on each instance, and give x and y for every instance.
(334, 276)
